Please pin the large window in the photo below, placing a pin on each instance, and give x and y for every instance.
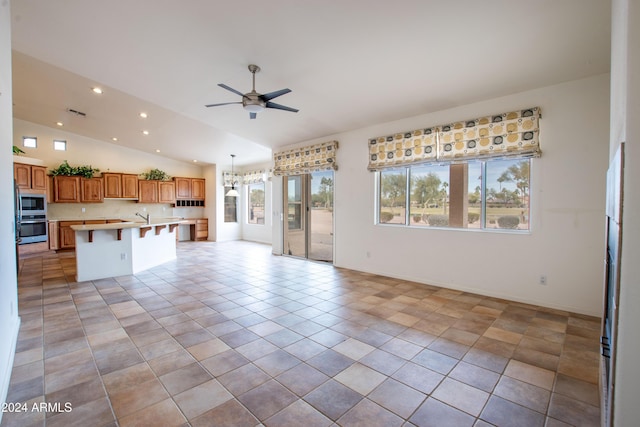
(255, 205)
(230, 207)
(475, 194)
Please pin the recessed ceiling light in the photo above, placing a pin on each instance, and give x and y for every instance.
(195, 161)
(157, 151)
(59, 123)
(114, 139)
(97, 90)
(143, 115)
(146, 132)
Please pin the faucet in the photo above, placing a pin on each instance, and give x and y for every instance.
(146, 218)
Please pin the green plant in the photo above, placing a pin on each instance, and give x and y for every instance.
(439, 220)
(65, 169)
(508, 221)
(17, 151)
(473, 217)
(386, 216)
(156, 175)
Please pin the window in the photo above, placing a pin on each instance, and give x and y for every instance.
(475, 194)
(230, 207)
(59, 145)
(255, 205)
(30, 141)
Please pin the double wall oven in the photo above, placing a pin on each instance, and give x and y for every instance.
(33, 218)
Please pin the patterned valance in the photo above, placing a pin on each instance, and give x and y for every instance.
(227, 180)
(314, 158)
(512, 134)
(253, 177)
(417, 146)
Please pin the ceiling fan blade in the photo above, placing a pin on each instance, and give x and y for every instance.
(280, 107)
(224, 103)
(222, 85)
(253, 115)
(277, 93)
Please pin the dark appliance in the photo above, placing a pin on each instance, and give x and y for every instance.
(35, 204)
(32, 218)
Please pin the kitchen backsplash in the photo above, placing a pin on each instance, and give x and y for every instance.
(121, 209)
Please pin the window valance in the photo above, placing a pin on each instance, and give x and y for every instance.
(513, 134)
(318, 157)
(253, 177)
(228, 180)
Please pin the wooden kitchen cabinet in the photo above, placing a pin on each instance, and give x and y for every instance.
(129, 186)
(30, 177)
(112, 185)
(189, 188)
(200, 230)
(189, 191)
(147, 191)
(151, 191)
(166, 192)
(120, 185)
(183, 188)
(66, 189)
(53, 236)
(91, 190)
(66, 236)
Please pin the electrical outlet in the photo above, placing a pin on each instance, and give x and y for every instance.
(543, 280)
(84, 210)
(123, 256)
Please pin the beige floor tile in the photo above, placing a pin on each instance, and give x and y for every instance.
(209, 339)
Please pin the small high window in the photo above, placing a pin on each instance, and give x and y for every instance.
(59, 145)
(30, 141)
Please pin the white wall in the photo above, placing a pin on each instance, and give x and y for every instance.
(625, 126)
(9, 320)
(568, 193)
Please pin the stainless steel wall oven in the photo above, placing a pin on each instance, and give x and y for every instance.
(33, 218)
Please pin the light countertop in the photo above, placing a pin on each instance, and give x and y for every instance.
(128, 224)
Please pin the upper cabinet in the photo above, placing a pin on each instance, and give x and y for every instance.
(147, 191)
(75, 189)
(166, 192)
(30, 177)
(66, 189)
(91, 190)
(151, 191)
(190, 191)
(120, 185)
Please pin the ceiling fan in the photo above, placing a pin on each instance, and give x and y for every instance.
(253, 101)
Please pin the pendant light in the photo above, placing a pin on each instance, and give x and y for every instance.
(233, 192)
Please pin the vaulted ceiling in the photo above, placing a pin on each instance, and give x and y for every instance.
(349, 64)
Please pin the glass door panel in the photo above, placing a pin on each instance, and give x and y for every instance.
(295, 239)
(309, 209)
(321, 216)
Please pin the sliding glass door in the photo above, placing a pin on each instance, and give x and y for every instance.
(308, 232)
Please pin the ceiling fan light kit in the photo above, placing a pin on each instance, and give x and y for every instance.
(254, 102)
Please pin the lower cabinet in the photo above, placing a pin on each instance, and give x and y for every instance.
(53, 236)
(200, 229)
(67, 237)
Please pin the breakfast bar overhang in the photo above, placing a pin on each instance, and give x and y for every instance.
(125, 248)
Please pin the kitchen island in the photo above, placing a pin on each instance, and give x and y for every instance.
(123, 248)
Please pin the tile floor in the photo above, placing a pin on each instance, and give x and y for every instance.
(230, 335)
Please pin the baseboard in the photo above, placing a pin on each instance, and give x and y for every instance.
(7, 366)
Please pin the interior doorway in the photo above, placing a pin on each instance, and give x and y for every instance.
(308, 204)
